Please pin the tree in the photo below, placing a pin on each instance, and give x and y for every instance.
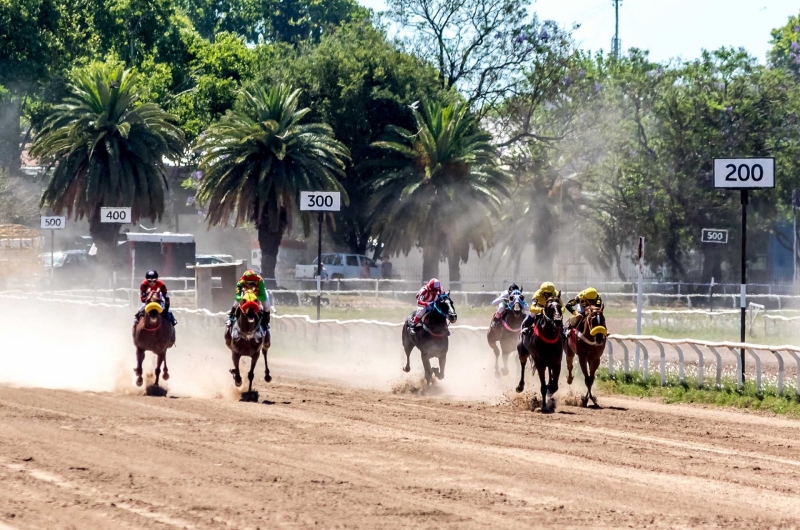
(480, 47)
(440, 187)
(785, 51)
(106, 148)
(257, 159)
(358, 83)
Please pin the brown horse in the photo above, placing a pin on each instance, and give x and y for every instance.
(245, 338)
(543, 343)
(506, 331)
(154, 332)
(588, 341)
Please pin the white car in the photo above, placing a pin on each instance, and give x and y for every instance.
(340, 265)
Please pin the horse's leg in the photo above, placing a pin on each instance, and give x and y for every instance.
(408, 345)
(594, 364)
(165, 374)
(496, 357)
(587, 379)
(267, 377)
(426, 363)
(570, 359)
(138, 369)
(442, 362)
(552, 386)
(542, 368)
(237, 378)
(160, 357)
(506, 352)
(252, 372)
(522, 351)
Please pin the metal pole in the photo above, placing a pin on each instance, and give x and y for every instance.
(639, 296)
(52, 257)
(794, 246)
(742, 300)
(319, 264)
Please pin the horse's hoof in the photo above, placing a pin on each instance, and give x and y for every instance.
(268, 378)
(584, 402)
(569, 379)
(594, 400)
(551, 405)
(137, 371)
(406, 369)
(520, 388)
(505, 371)
(439, 376)
(237, 381)
(139, 381)
(165, 376)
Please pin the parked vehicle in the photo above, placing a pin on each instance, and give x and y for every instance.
(211, 259)
(71, 268)
(339, 266)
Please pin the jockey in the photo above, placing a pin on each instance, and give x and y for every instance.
(425, 299)
(587, 297)
(251, 280)
(545, 292)
(151, 284)
(502, 302)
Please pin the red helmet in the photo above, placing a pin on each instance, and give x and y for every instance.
(434, 284)
(251, 276)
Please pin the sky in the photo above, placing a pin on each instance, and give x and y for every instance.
(667, 28)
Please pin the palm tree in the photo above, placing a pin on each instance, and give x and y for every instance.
(256, 161)
(107, 149)
(440, 188)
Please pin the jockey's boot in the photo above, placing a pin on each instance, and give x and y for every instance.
(264, 317)
(172, 318)
(496, 319)
(415, 325)
(527, 324)
(231, 318)
(137, 317)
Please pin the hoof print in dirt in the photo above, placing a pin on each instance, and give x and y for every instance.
(249, 397)
(155, 391)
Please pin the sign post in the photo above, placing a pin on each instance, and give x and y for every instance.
(795, 206)
(319, 201)
(117, 216)
(744, 174)
(53, 223)
(639, 296)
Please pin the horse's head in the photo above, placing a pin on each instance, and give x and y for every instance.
(445, 306)
(249, 306)
(515, 301)
(595, 323)
(153, 297)
(153, 309)
(552, 311)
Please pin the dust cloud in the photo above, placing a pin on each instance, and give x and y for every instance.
(89, 348)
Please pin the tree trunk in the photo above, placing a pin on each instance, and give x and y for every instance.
(10, 136)
(270, 233)
(454, 267)
(104, 237)
(430, 263)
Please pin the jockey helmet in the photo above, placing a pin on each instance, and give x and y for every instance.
(151, 275)
(548, 287)
(434, 284)
(513, 287)
(250, 276)
(590, 294)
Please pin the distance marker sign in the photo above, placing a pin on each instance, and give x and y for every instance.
(53, 222)
(115, 215)
(320, 201)
(744, 173)
(714, 235)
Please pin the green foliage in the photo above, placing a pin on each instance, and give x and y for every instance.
(440, 186)
(106, 147)
(688, 392)
(785, 52)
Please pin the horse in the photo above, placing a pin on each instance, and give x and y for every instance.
(245, 338)
(154, 332)
(506, 331)
(432, 339)
(588, 341)
(543, 343)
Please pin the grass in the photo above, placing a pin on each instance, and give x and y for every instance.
(688, 392)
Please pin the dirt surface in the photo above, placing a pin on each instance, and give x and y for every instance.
(314, 454)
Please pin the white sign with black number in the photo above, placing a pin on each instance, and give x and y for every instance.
(53, 222)
(115, 215)
(744, 173)
(320, 201)
(714, 235)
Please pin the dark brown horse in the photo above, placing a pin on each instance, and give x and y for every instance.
(432, 339)
(246, 338)
(154, 332)
(543, 343)
(506, 331)
(588, 341)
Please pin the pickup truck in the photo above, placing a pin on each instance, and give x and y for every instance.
(339, 266)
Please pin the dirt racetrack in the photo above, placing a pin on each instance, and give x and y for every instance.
(314, 454)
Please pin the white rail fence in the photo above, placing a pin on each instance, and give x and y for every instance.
(718, 358)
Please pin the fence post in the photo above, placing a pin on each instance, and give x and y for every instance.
(681, 367)
(700, 364)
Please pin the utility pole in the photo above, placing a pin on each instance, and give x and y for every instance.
(615, 42)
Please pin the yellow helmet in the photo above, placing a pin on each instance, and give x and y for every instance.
(590, 293)
(548, 287)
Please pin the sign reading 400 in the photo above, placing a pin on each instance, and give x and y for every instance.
(115, 215)
(320, 201)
